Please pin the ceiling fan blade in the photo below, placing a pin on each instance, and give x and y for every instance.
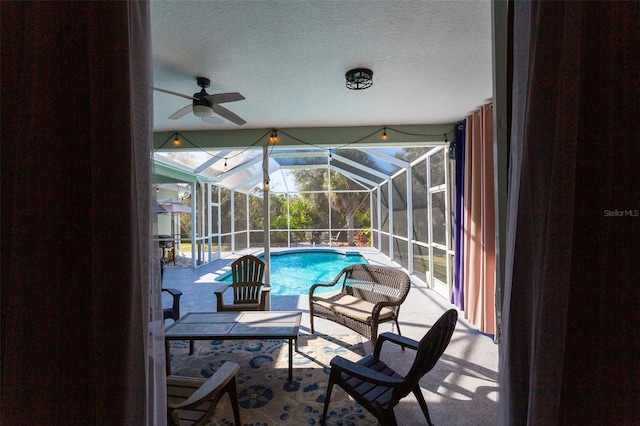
(213, 120)
(173, 93)
(181, 112)
(220, 98)
(225, 113)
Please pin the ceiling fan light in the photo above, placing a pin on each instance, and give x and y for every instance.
(202, 111)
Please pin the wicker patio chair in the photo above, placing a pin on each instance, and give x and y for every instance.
(376, 386)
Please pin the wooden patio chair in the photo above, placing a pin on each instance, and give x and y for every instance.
(168, 247)
(249, 292)
(192, 401)
(376, 386)
(173, 311)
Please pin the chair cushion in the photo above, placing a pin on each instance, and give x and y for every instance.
(352, 307)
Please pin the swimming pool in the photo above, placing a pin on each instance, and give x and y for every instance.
(294, 272)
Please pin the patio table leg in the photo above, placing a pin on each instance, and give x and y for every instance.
(291, 358)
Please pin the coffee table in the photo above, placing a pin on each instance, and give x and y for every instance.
(243, 325)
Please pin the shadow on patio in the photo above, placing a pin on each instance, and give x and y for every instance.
(462, 389)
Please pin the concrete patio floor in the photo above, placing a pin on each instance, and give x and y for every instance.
(461, 390)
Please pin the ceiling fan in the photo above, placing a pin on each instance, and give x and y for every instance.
(205, 105)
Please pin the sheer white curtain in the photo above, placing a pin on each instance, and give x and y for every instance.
(142, 199)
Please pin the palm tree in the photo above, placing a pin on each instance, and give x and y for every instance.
(343, 202)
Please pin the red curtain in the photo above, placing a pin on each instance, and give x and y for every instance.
(479, 222)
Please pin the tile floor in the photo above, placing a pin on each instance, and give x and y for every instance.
(461, 390)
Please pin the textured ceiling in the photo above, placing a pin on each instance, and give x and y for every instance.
(431, 60)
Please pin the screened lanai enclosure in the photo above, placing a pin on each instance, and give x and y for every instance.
(393, 197)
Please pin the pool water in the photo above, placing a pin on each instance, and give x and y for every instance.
(294, 272)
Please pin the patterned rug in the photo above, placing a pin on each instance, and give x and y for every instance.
(265, 394)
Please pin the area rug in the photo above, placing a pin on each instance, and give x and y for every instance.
(265, 394)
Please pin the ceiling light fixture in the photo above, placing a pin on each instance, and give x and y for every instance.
(359, 78)
(384, 134)
(202, 111)
(202, 107)
(176, 141)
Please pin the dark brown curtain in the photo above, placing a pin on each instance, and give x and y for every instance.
(75, 212)
(569, 353)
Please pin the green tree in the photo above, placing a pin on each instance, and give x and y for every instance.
(185, 220)
(300, 214)
(345, 205)
(278, 211)
(316, 212)
(256, 212)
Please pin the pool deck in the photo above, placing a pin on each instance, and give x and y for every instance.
(462, 389)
